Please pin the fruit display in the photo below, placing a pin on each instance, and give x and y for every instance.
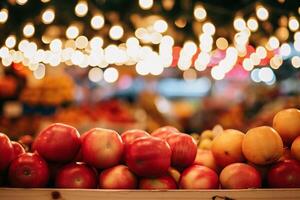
(165, 159)
(53, 90)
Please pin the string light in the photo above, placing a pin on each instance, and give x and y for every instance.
(146, 4)
(239, 24)
(55, 45)
(72, 32)
(97, 22)
(199, 13)
(222, 43)
(28, 30)
(3, 15)
(296, 61)
(96, 43)
(95, 74)
(273, 43)
(297, 45)
(21, 2)
(209, 28)
(81, 42)
(48, 16)
(81, 8)
(160, 26)
(252, 24)
(45, 1)
(116, 32)
(293, 24)
(276, 61)
(261, 52)
(297, 36)
(111, 75)
(262, 13)
(285, 49)
(10, 42)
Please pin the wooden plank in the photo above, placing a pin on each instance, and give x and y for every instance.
(71, 194)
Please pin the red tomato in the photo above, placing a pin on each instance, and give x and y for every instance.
(28, 170)
(58, 143)
(148, 156)
(6, 152)
(76, 175)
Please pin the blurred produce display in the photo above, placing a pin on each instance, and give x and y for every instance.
(61, 157)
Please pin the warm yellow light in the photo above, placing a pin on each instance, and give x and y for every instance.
(48, 16)
(146, 4)
(28, 30)
(239, 24)
(247, 64)
(22, 45)
(81, 42)
(10, 42)
(160, 26)
(255, 58)
(276, 62)
(96, 43)
(167, 40)
(293, 24)
(189, 47)
(297, 36)
(222, 43)
(262, 13)
(111, 75)
(189, 75)
(180, 22)
(296, 61)
(81, 8)
(132, 42)
(45, 1)
(252, 24)
(116, 32)
(21, 2)
(209, 28)
(55, 45)
(72, 32)
(285, 49)
(217, 73)
(199, 12)
(97, 22)
(273, 43)
(261, 52)
(297, 45)
(3, 15)
(206, 39)
(282, 33)
(95, 74)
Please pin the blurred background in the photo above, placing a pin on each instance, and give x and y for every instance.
(126, 64)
